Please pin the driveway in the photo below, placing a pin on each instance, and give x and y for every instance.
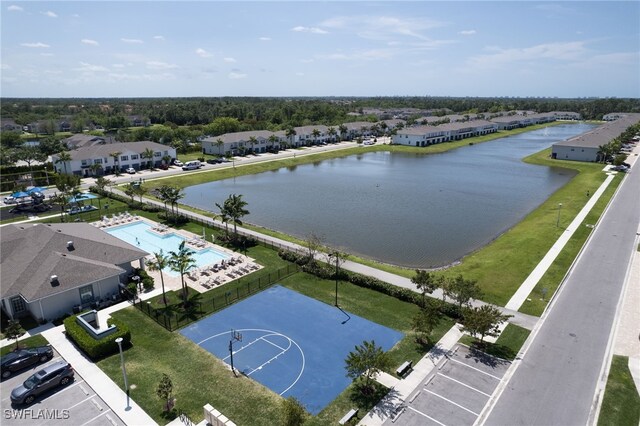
(75, 404)
(456, 392)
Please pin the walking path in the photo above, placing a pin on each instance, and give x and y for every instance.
(520, 296)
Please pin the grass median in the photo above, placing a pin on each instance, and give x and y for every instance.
(621, 403)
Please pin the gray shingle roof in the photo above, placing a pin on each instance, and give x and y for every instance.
(97, 151)
(31, 254)
(603, 134)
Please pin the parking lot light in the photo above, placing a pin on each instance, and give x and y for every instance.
(124, 370)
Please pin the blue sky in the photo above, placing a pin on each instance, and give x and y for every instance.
(331, 48)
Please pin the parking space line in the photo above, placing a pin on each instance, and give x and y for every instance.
(75, 405)
(454, 403)
(99, 415)
(477, 369)
(423, 414)
(464, 384)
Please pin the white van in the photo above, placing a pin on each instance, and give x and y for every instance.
(192, 165)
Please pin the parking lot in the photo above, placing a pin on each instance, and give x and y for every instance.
(75, 404)
(457, 391)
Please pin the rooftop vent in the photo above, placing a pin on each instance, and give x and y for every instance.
(70, 245)
(54, 281)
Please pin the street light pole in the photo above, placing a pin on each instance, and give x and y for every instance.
(336, 256)
(558, 220)
(124, 370)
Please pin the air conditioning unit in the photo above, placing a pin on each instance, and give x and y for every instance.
(54, 281)
(70, 245)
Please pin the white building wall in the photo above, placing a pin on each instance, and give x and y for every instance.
(575, 153)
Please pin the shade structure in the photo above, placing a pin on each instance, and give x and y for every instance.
(35, 189)
(20, 194)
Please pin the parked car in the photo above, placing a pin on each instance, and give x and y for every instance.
(178, 163)
(131, 171)
(51, 377)
(164, 167)
(17, 360)
(192, 165)
(9, 200)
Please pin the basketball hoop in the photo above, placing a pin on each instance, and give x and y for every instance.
(236, 336)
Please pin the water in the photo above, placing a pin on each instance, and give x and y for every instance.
(138, 234)
(406, 209)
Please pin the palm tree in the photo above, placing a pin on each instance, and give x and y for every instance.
(235, 208)
(224, 217)
(173, 194)
(332, 132)
(64, 157)
(163, 195)
(116, 161)
(166, 159)
(148, 154)
(219, 144)
(158, 263)
(343, 131)
(94, 168)
(290, 133)
(315, 133)
(273, 139)
(102, 183)
(252, 141)
(182, 261)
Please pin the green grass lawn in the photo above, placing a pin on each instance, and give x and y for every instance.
(200, 378)
(29, 342)
(506, 346)
(621, 403)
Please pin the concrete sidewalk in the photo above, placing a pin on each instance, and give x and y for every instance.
(520, 296)
(123, 406)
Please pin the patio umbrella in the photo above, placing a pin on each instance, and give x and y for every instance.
(19, 194)
(35, 189)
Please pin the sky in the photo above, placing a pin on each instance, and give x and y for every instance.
(310, 48)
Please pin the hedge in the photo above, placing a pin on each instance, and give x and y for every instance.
(97, 349)
(322, 271)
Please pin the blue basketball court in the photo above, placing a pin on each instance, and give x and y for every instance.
(292, 344)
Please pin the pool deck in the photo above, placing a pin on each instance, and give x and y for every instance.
(201, 279)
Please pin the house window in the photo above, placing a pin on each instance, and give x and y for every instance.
(86, 294)
(134, 156)
(124, 158)
(97, 161)
(157, 154)
(17, 305)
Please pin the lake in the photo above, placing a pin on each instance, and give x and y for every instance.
(412, 210)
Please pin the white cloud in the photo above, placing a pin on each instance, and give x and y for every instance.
(157, 65)
(203, 53)
(36, 45)
(306, 61)
(383, 27)
(50, 14)
(312, 30)
(46, 54)
(229, 60)
(131, 40)
(14, 8)
(75, 15)
(265, 39)
(158, 37)
(236, 75)
(117, 65)
(300, 74)
(4, 67)
(89, 41)
(138, 77)
(86, 67)
(467, 32)
(568, 51)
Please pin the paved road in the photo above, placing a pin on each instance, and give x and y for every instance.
(556, 380)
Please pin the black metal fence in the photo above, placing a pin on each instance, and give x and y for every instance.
(208, 303)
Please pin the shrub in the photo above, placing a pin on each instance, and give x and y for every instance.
(97, 348)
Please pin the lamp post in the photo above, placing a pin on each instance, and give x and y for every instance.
(558, 220)
(335, 254)
(124, 370)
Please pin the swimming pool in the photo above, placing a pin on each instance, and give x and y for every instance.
(139, 234)
(82, 196)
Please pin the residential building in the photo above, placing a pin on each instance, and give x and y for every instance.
(586, 147)
(429, 135)
(130, 154)
(49, 270)
(81, 140)
(258, 141)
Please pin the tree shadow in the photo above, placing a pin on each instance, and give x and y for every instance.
(387, 405)
(488, 354)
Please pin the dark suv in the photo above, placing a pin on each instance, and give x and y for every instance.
(55, 375)
(17, 360)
